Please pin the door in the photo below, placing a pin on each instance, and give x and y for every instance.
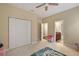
(12, 33)
(20, 33)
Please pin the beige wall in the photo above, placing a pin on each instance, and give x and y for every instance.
(10, 11)
(50, 22)
(71, 25)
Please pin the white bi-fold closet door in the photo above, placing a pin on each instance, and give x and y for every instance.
(19, 32)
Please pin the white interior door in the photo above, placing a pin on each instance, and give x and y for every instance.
(11, 32)
(21, 33)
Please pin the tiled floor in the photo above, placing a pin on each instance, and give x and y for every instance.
(29, 49)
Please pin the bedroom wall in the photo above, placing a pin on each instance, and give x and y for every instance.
(11, 11)
(71, 25)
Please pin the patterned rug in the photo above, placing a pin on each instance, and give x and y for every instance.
(47, 52)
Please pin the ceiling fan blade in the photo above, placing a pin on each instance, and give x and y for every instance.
(46, 8)
(40, 5)
(55, 4)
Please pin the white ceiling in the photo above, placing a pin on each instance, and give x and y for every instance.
(41, 11)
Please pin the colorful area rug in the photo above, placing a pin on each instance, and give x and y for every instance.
(47, 52)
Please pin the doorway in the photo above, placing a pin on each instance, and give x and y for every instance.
(44, 30)
(59, 31)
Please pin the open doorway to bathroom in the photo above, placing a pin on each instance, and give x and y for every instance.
(59, 31)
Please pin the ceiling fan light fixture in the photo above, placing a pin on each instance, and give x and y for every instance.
(55, 4)
(47, 5)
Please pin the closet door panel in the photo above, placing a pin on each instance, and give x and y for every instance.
(29, 32)
(11, 32)
(21, 32)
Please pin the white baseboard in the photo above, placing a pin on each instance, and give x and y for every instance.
(34, 42)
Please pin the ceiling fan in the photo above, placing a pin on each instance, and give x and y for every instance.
(46, 5)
